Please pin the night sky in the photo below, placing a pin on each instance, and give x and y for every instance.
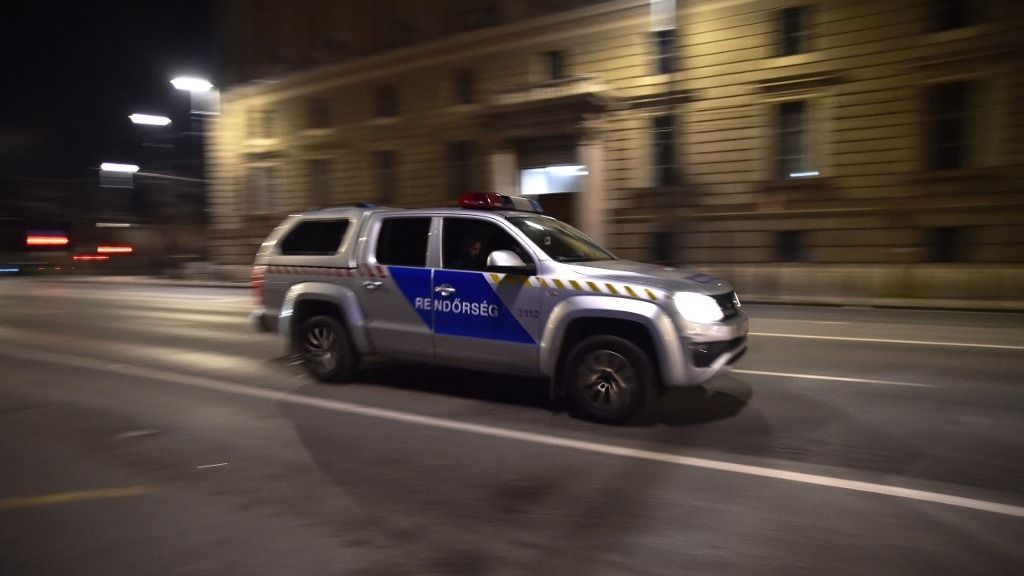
(74, 71)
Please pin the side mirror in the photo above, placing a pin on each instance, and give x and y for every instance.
(508, 262)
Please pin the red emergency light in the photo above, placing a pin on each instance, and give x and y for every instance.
(483, 201)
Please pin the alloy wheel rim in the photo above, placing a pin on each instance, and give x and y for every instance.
(606, 380)
(319, 346)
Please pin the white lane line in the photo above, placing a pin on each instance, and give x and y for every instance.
(832, 378)
(510, 434)
(204, 466)
(887, 341)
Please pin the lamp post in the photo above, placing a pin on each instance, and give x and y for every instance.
(204, 103)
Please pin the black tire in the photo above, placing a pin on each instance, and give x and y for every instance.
(326, 350)
(609, 379)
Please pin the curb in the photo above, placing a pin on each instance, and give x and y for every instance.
(147, 281)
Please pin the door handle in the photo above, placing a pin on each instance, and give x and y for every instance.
(445, 290)
(372, 285)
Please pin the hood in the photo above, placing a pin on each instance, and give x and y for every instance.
(662, 277)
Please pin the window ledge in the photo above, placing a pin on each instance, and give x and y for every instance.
(793, 59)
(796, 184)
(317, 132)
(959, 174)
(929, 38)
(263, 142)
(467, 108)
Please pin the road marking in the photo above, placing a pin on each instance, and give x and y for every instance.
(69, 497)
(832, 378)
(211, 465)
(511, 434)
(887, 341)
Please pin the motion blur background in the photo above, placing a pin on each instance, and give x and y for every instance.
(809, 151)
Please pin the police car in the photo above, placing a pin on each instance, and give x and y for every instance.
(493, 285)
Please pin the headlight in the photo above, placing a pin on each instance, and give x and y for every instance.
(699, 308)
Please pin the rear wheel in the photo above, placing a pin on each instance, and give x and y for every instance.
(609, 379)
(326, 350)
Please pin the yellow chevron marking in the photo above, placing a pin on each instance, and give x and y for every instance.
(575, 285)
(629, 290)
(651, 295)
(612, 289)
(543, 283)
(495, 277)
(593, 287)
(558, 283)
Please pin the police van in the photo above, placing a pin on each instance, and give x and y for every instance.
(492, 285)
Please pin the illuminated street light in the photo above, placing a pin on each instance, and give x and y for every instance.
(150, 119)
(114, 167)
(192, 84)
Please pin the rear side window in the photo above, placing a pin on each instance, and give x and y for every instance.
(403, 242)
(315, 238)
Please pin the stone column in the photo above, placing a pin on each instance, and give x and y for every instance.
(592, 203)
(504, 171)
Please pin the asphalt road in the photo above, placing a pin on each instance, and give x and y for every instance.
(148, 430)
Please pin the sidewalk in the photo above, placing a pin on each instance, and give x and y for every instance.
(837, 300)
(147, 281)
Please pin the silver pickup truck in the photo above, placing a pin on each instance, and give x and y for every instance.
(492, 285)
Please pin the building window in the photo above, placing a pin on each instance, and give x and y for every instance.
(318, 113)
(319, 182)
(796, 30)
(260, 188)
(385, 102)
(461, 166)
(948, 122)
(664, 151)
(554, 65)
(790, 246)
(386, 175)
(952, 14)
(464, 86)
(261, 123)
(665, 51)
(946, 244)
(793, 151)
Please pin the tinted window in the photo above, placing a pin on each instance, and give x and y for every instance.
(315, 237)
(468, 242)
(403, 242)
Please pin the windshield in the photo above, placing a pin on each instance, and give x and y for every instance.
(561, 242)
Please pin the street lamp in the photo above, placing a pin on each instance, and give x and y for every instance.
(149, 119)
(192, 84)
(115, 167)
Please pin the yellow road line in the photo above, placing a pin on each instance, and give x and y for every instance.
(69, 497)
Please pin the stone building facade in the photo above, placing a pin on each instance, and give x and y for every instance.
(817, 150)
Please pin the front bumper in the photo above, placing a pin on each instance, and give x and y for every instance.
(703, 350)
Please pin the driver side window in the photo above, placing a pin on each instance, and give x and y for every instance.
(467, 242)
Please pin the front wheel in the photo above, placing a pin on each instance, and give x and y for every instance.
(609, 379)
(326, 350)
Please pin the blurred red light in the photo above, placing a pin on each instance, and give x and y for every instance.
(35, 240)
(89, 257)
(113, 249)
